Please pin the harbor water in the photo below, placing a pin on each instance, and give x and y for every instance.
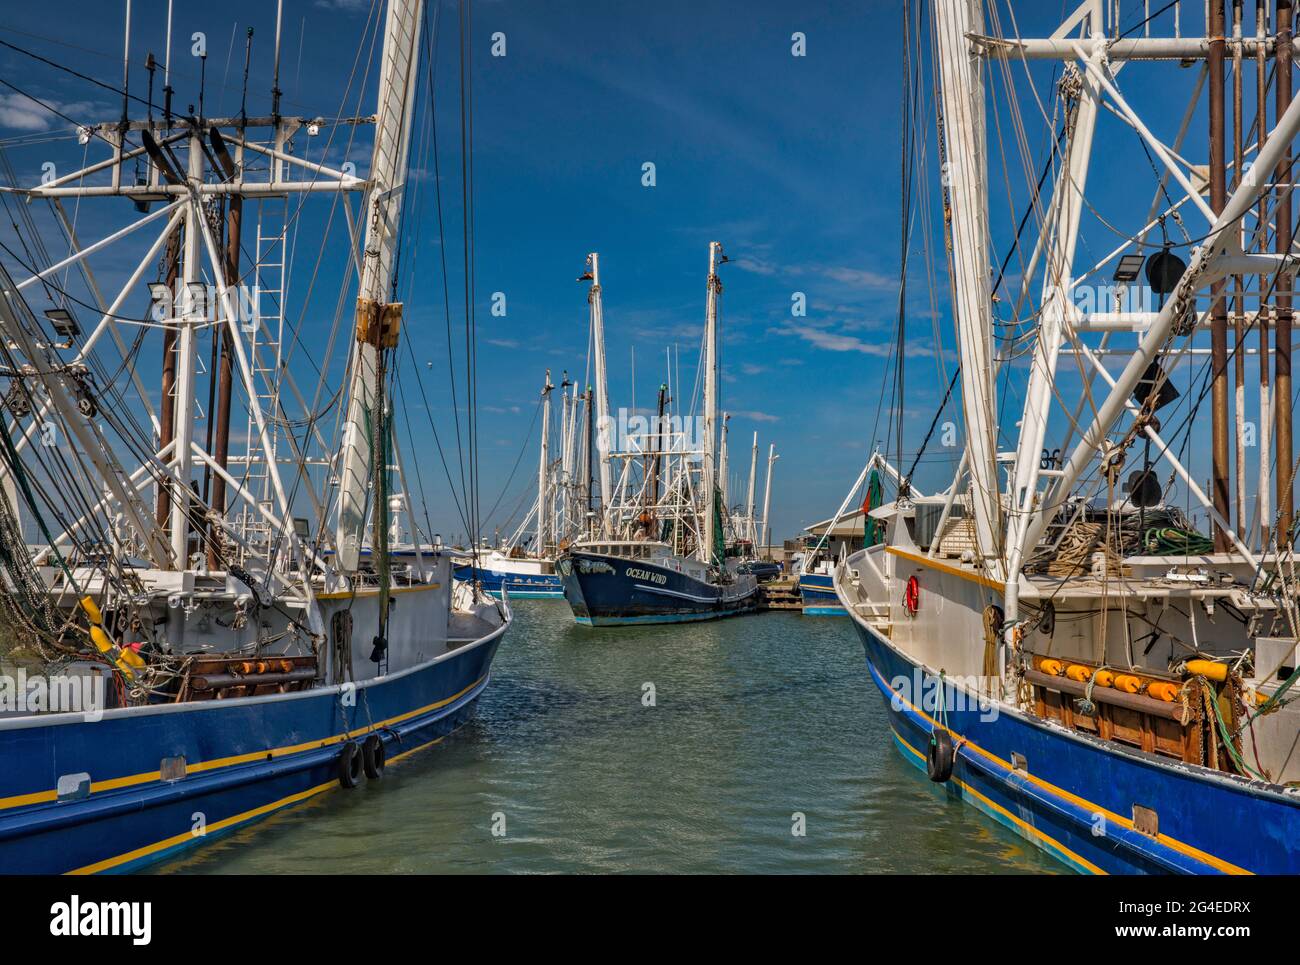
(698, 748)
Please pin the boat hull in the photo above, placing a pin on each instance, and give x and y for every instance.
(609, 591)
(817, 592)
(242, 759)
(518, 586)
(1074, 797)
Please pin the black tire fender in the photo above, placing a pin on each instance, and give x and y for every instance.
(350, 764)
(940, 755)
(373, 757)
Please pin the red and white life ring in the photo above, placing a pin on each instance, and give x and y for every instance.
(912, 596)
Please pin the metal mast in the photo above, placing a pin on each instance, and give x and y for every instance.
(1061, 236)
(962, 92)
(708, 469)
(1219, 310)
(377, 320)
(1283, 236)
(563, 493)
(724, 463)
(749, 502)
(604, 429)
(772, 457)
(186, 349)
(543, 465)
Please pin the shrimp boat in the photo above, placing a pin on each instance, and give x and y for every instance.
(663, 551)
(237, 650)
(514, 572)
(836, 537)
(558, 516)
(1057, 643)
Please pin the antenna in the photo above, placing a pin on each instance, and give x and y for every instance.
(275, 81)
(167, 68)
(203, 80)
(243, 97)
(126, 68)
(150, 65)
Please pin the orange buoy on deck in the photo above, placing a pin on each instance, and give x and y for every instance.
(1164, 690)
(1210, 669)
(1128, 683)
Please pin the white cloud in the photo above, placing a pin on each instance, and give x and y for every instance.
(837, 342)
(859, 278)
(350, 6)
(19, 112)
(753, 416)
(755, 265)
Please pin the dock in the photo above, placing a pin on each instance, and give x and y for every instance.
(779, 595)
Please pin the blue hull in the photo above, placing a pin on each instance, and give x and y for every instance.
(608, 591)
(243, 760)
(519, 586)
(818, 595)
(1074, 799)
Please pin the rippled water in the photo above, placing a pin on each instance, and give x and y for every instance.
(756, 718)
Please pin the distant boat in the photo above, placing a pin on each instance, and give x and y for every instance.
(817, 592)
(662, 553)
(524, 566)
(843, 533)
(619, 583)
(520, 577)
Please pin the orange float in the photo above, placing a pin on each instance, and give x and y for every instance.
(1128, 683)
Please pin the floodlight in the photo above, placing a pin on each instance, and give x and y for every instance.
(1129, 267)
(64, 324)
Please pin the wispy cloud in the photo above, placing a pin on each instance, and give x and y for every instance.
(860, 278)
(857, 278)
(837, 341)
(755, 265)
(348, 6)
(19, 112)
(754, 416)
(841, 343)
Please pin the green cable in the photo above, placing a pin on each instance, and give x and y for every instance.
(1237, 759)
(1274, 701)
(1175, 541)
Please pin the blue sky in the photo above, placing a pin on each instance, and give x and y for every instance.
(791, 162)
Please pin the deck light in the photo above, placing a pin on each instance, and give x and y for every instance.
(65, 326)
(1128, 268)
(160, 301)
